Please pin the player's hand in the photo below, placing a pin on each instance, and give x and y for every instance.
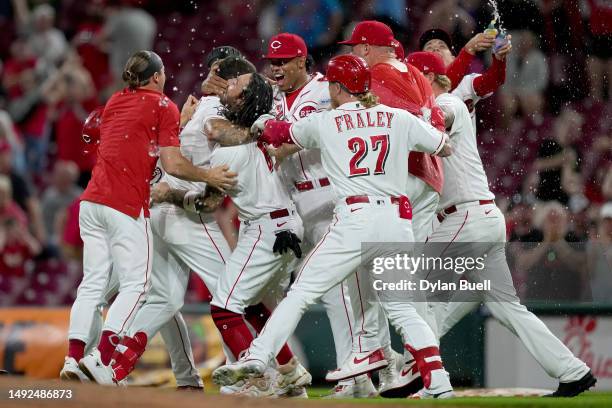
(285, 241)
(188, 109)
(503, 52)
(160, 192)
(446, 150)
(281, 152)
(221, 177)
(479, 42)
(203, 201)
(260, 123)
(214, 84)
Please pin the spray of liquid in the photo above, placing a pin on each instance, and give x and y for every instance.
(495, 27)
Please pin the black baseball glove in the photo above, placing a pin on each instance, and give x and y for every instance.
(287, 240)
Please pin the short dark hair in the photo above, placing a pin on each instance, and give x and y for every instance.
(219, 53)
(233, 67)
(435, 34)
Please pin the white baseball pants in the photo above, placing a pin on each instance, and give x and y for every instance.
(332, 260)
(114, 240)
(485, 224)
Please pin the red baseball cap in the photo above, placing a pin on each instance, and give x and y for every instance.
(372, 32)
(286, 45)
(427, 62)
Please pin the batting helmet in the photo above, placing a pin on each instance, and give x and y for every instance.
(351, 71)
(91, 128)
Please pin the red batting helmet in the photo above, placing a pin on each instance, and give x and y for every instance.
(91, 128)
(351, 71)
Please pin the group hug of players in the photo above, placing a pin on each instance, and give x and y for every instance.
(314, 163)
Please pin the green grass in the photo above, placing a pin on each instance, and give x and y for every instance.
(586, 400)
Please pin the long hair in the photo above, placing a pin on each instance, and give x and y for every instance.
(257, 100)
(140, 67)
(367, 99)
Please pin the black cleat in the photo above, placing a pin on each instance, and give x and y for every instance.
(571, 389)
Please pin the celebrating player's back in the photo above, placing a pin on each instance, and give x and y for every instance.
(364, 148)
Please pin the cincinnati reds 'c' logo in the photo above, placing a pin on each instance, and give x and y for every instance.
(276, 44)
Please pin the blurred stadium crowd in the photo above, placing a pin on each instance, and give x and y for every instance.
(545, 138)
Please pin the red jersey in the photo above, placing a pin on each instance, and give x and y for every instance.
(412, 92)
(135, 124)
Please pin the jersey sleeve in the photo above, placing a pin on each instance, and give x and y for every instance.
(304, 132)
(423, 137)
(169, 126)
(211, 109)
(451, 108)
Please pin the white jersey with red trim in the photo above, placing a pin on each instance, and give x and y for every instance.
(465, 91)
(313, 97)
(363, 150)
(464, 177)
(259, 190)
(195, 146)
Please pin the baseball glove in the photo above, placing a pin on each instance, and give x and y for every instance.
(285, 241)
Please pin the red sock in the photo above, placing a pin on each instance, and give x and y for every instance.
(257, 316)
(426, 367)
(127, 353)
(233, 329)
(76, 349)
(108, 342)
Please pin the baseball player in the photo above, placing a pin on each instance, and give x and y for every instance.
(468, 214)
(298, 94)
(471, 88)
(139, 123)
(183, 240)
(270, 228)
(401, 86)
(174, 333)
(370, 194)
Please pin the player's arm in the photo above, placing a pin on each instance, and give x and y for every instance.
(188, 110)
(226, 133)
(457, 69)
(427, 139)
(178, 166)
(193, 201)
(492, 78)
(303, 134)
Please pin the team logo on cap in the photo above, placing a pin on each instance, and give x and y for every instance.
(275, 44)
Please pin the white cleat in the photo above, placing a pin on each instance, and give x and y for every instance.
(407, 382)
(426, 394)
(292, 375)
(291, 392)
(72, 372)
(232, 389)
(358, 364)
(93, 367)
(360, 387)
(257, 387)
(230, 374)
(388, 376)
